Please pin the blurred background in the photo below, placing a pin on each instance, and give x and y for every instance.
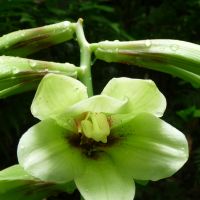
(113, 20)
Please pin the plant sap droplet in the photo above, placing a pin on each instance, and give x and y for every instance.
(76, 89)
(174, 47)
(15, 70)
(159, 114)
(148, 43)
(22, 34)
(33, 64)
(66, 23)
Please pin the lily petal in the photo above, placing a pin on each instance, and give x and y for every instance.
(55, 94)
(142, 95)
(44, 152)
(99, 104)
(101, 181)
(149, 148)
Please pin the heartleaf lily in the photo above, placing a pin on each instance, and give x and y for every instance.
(102, 142)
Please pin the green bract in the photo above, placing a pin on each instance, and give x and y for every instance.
(17, 184)
(101, 142)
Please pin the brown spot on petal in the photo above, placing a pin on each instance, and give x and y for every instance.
(89, 147)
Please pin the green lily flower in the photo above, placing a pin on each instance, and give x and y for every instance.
(102, 142)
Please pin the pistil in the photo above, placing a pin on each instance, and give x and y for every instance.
(96, 127)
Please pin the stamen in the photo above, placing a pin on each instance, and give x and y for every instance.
(96, 127)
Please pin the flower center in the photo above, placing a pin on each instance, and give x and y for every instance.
(95, 126)
(93, 134)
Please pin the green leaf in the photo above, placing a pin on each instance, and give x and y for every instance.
(18, 85)
(45, 152)
(197, 113)
(15, 183)
(18, 75)
(25, 42)
(101, 181)
(175, 57)
(150, 149)
(16, 172)
(142, 95)
(22, 67)
(141, 182)
(55, 94)
(187, 113)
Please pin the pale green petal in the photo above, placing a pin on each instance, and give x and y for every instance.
(99, 104)
(142, 95)
(55, 94)
(149, 148)
(44, 152)
(101, 181)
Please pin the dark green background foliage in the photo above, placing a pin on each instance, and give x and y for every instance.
(111, 20)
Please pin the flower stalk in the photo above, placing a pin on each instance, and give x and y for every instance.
(85, 58)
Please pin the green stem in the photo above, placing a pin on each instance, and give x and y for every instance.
(85, 58)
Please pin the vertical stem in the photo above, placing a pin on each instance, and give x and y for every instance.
(85, 58)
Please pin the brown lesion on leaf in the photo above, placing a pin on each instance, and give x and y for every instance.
(32, 73)
(31, 41)
(33, 187)
(144, 56)
(155, 57)
(26, 77)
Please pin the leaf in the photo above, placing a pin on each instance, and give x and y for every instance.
(26, 42)
(18, 75)
(17, 184)
(175, 57)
